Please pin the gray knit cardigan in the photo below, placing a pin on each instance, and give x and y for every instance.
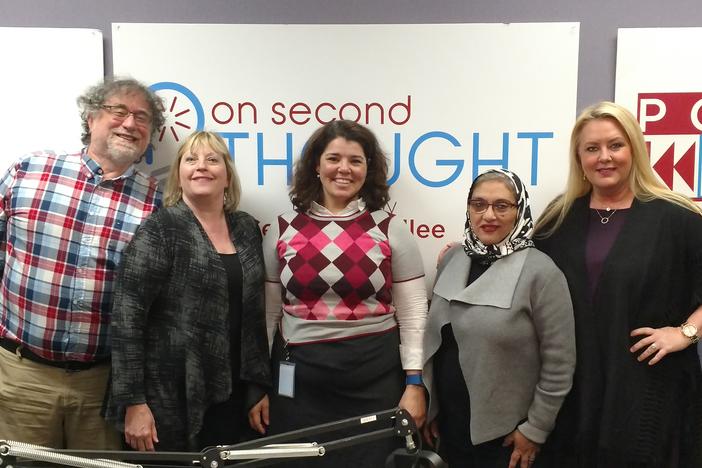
(515, 333)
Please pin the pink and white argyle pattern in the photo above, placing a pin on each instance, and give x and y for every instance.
(336, 268)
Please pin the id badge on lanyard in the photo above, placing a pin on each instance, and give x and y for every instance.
(286, 375)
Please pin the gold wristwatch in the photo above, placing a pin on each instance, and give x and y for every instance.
(690, 331)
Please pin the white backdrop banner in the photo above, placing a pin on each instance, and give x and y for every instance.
(44, 70)
(446, 101)
(658, 79)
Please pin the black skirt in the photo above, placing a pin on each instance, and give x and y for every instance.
(339, 380)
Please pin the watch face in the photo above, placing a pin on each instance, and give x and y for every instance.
(689, 331)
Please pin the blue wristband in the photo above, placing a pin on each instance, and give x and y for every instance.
(414, 379)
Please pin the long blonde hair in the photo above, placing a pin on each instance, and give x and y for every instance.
(642, 181)
(174, 192)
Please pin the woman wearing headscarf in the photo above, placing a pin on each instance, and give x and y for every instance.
(631, 250)
(499, 347)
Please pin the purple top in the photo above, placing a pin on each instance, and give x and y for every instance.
(600, 239)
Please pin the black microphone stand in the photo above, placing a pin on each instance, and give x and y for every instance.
(265, 451)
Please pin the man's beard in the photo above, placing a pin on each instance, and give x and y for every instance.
(122, 155)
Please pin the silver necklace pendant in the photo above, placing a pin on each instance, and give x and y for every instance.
(605, 219)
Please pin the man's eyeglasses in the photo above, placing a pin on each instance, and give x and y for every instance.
(500, 207)
(122, 113)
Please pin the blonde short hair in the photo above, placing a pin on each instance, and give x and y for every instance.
(174, 192)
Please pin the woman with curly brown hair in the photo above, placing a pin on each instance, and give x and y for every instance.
(353, 296)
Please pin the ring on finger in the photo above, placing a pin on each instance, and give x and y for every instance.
(653, 347)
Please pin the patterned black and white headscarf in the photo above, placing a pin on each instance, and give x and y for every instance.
(518, 239)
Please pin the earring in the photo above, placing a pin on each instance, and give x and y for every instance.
(318, 175)
(584, 177)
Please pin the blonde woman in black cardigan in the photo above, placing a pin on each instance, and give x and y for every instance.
(631, 250)
(189, 347)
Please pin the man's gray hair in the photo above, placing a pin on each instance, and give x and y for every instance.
(90, 102)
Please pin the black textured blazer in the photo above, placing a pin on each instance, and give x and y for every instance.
(652, 277)
(170, 332)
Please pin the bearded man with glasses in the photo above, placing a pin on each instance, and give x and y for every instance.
(64, 221)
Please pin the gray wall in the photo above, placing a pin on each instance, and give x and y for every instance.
(599, 19)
